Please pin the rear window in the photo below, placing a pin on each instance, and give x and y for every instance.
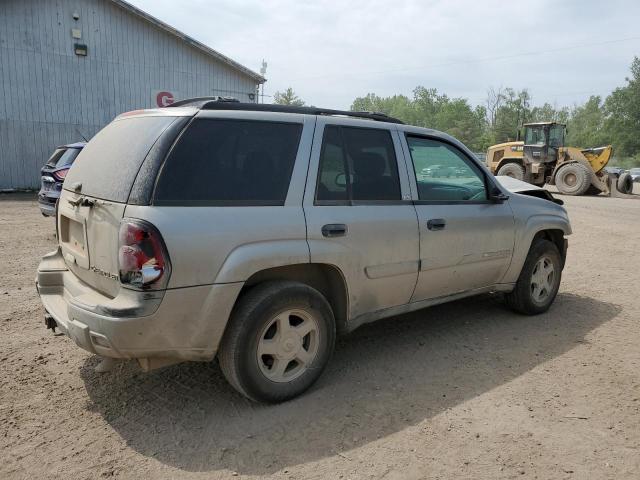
(55, 156)
(230, 162)
(108, 165)
(63, 157)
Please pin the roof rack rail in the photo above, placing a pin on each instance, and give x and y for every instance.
(228, 103)
(200, 101)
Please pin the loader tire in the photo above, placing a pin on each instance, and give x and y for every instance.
(513, 170)
(573, 179)
(625, 183)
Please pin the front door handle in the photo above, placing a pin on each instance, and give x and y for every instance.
(334, 230)
(436, 224)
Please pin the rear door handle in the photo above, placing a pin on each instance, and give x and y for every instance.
(334, 230)
(436, 224)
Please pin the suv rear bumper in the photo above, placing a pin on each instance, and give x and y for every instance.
(179, 324)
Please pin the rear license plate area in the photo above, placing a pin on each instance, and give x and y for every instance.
(73, 240)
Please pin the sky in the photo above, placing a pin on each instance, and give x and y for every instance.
(331, 52)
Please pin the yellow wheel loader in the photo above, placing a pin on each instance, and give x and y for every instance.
(543, 158)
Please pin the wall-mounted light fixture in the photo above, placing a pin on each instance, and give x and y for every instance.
(80, 49)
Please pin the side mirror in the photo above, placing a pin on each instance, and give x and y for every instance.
(498, 197)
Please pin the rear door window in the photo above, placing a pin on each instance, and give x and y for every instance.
(230, 162)
(108, 165)
(357, 164)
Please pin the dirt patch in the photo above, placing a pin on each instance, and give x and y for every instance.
(467, 389)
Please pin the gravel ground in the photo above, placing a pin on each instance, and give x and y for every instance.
(465, 390)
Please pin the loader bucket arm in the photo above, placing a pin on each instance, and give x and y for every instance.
(598, 157)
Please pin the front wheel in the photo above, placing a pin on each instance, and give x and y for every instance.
(513, 170)
(278, 341)
(573, 179)
(539, 280)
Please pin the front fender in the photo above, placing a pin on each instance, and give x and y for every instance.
(525, 233)
(251, 258)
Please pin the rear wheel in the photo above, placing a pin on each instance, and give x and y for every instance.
(539, 280)
(513, 170)
(625, 183)
(278, 341)
(573, 179)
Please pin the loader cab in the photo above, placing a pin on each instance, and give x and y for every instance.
(542, 141)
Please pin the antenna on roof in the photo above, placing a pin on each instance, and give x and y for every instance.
(263, 72)
(80, 133)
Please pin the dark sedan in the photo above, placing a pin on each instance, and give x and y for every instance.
(53, 174)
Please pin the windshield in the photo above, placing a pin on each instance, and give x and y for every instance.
(535, 136)
(556, 136)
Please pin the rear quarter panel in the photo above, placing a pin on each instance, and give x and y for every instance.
(209, 245)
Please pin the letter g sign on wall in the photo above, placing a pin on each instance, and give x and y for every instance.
(163, 98)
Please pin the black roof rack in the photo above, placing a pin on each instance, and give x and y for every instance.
(229, 103)
(200, 101)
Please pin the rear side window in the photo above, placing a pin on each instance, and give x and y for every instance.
(230, 162)
(357, 164)
(108, 165)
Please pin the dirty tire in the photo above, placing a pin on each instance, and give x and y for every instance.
(625, 183)
(249, 326)
(523, 298)
(513, 170)
(573, 179)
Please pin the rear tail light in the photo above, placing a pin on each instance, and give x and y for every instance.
(60, 174)
(142, 256)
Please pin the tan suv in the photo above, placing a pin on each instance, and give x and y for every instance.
(256, 233)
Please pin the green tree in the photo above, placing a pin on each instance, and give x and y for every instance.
(549, 113)
(586, 125)
(622, 110)
(430, 109)
(616, 120)
(514, 110)
(288, 97)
